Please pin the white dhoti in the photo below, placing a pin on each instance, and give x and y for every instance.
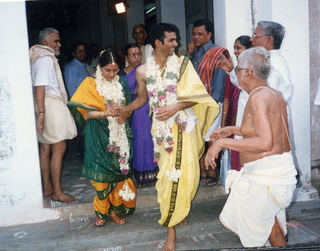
(58, 124)
(260, 191)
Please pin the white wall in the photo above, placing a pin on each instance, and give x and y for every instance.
(20, 183)
(295, 18)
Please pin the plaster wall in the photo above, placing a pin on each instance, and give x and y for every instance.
(314, 28)
(20, 183)
(294, 16)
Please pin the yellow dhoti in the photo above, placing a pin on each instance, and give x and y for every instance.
(175, 197)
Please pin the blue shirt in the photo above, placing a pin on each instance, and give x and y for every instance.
(74, 73)
(218, 80)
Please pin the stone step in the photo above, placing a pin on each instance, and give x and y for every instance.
(146, 199)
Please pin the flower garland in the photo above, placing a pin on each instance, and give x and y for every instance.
(118, 140)
(162, 91)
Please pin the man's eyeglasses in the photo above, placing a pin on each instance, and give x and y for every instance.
(236, 70)
(135, 54)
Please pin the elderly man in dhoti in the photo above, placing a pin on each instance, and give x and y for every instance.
(263, 188)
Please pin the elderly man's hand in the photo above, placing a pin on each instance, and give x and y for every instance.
(41, 123)
(221, 133)
(212, 154)
(224, 63)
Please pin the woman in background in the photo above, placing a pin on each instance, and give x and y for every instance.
(144, 169)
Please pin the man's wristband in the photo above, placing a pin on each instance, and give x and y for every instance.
(42, 112)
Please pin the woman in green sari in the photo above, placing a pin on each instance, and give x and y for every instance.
(107, 139)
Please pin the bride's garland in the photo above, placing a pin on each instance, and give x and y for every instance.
(162, 91)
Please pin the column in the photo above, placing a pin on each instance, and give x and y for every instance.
(169, 11)
(20, 190)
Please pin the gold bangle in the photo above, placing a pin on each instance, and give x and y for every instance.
(100, 115)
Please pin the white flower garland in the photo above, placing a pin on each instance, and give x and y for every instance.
(173, 174)
(162, 91)
(118, 140)
(126, 193)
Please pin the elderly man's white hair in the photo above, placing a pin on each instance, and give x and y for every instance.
(45, 33)
(258, 60)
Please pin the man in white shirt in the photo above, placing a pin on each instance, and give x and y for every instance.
(268, 35)
(54, 121)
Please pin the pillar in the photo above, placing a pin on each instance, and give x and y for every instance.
(20, 183)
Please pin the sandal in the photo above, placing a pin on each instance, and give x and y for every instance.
(210, 181)
(203, 178)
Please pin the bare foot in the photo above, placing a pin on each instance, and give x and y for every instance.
(171, 240)
(100, 222)
(49, 192)
(183, 222)
(62, 197)
(114, 217)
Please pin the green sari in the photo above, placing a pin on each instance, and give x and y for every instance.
(100, 165)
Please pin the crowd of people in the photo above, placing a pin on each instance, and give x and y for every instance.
(146, 115)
